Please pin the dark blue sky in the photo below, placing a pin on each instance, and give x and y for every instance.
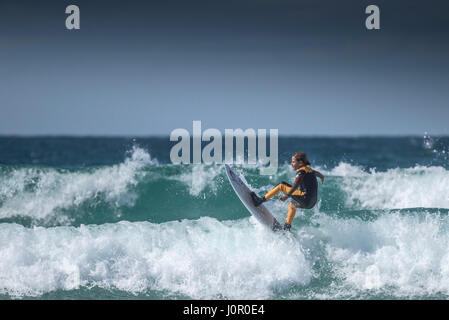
(303, 67)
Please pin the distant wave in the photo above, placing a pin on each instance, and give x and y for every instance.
(41, 193)
(140, 188)
(395, 188)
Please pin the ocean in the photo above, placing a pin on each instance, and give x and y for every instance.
(113, 218)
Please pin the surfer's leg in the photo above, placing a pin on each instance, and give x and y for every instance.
(291, 213)
(281, 187)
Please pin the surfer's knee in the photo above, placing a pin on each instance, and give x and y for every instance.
(284, 186)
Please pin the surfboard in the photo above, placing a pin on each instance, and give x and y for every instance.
(260, 212)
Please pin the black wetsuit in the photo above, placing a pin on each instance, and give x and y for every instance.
(308, 186)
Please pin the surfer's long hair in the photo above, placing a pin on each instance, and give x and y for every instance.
(302, 156)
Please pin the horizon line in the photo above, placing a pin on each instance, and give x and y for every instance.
(140, 136)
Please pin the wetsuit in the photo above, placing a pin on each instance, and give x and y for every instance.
(304, 197)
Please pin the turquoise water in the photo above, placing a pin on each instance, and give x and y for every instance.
(112, 218)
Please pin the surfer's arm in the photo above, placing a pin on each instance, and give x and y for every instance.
(319, 175)
(292, 189)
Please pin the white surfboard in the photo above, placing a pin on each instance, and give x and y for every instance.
(244, 193)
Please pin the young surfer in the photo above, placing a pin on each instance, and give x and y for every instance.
(305, 197)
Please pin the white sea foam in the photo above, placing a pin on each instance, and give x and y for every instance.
(202, 258)
(201, 177)
(402, 255)
(399, 254)
(395, 188)
(344, 169)
(38, 192)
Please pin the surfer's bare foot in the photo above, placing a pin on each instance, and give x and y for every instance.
(257, 200)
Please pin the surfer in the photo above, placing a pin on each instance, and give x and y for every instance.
(307, 194)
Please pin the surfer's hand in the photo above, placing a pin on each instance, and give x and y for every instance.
(322, 179)
(283, 198)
